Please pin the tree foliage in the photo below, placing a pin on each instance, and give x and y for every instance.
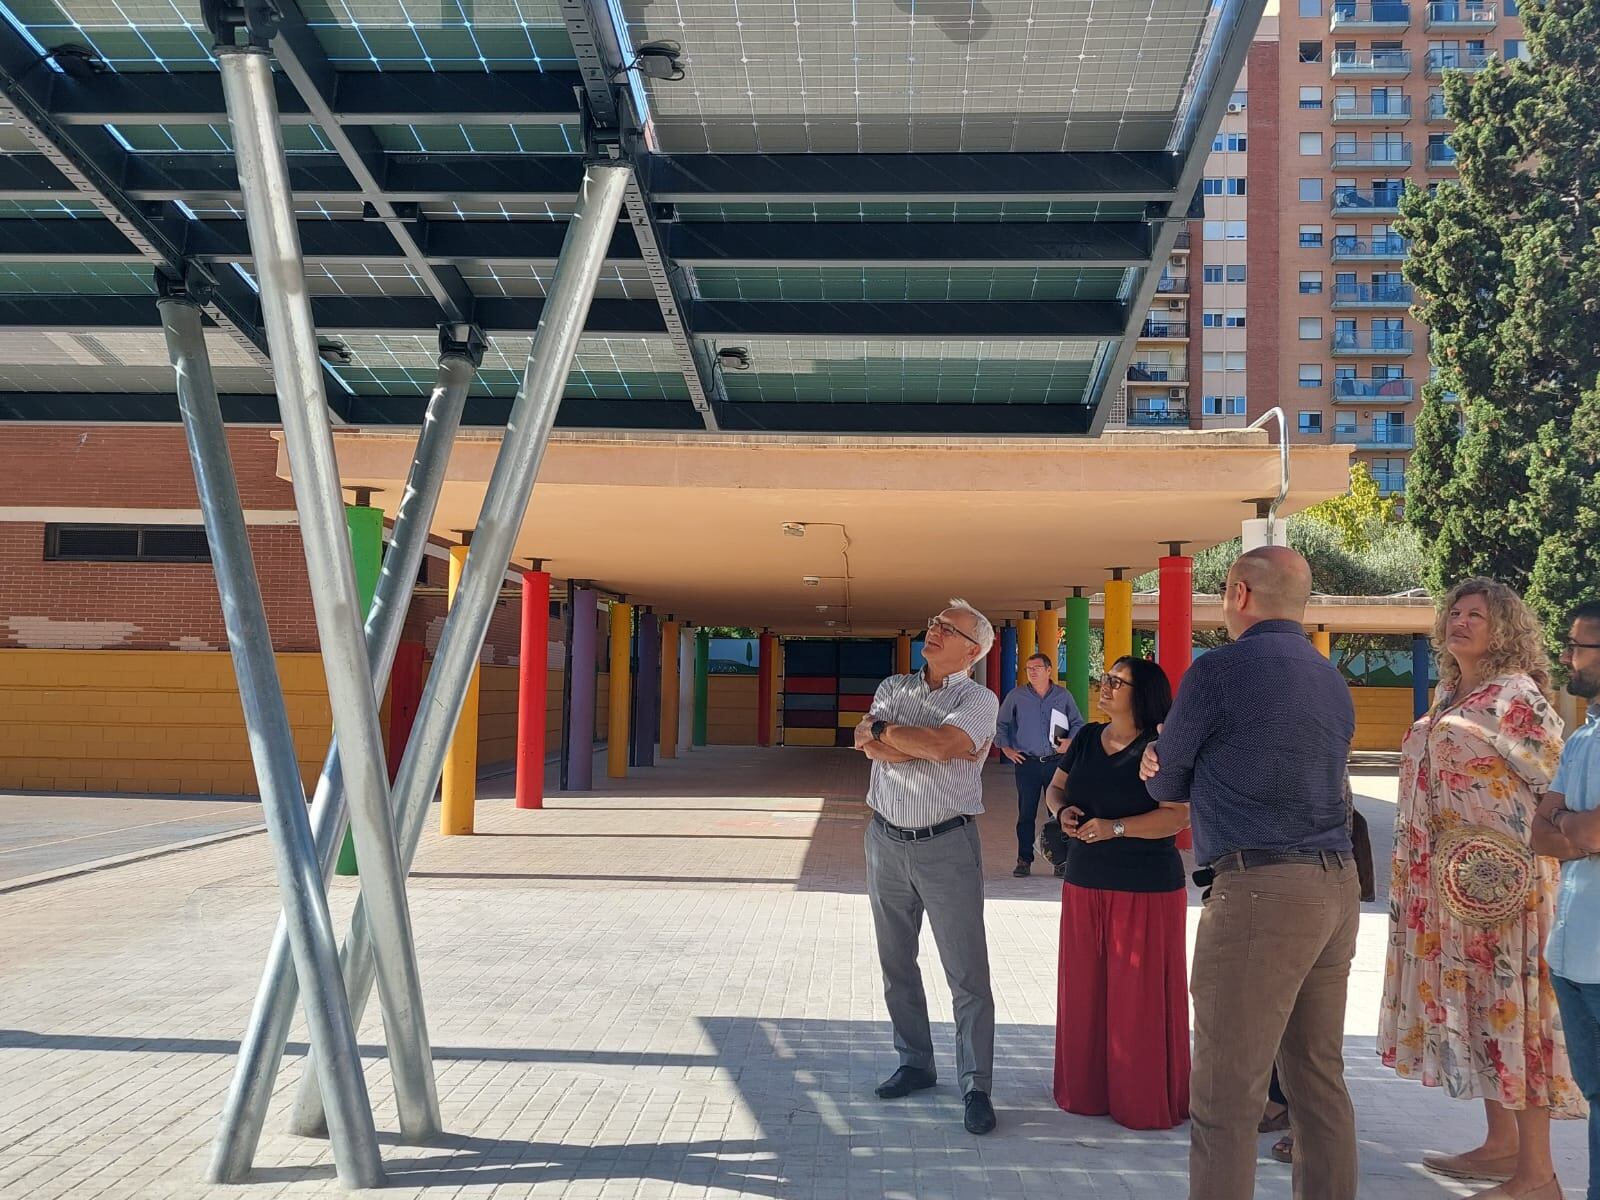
(1507, 268)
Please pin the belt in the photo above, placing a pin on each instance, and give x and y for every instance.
(918, 835)
(1243, 860)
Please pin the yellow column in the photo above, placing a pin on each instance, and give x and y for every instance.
(1050, 638)
(669, 689)
(1027, 643)
(459, 789)
(1119, 618)
(1323, 641)
(902, 654)
(621, 690)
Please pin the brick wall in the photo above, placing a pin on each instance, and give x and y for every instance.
(1264, 299)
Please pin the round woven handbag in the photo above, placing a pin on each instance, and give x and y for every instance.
(1482, 876)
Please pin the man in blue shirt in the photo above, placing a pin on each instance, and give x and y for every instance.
(1024, 737)
(1257, 745)
(1568, 827)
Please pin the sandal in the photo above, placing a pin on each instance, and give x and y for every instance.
(1283, 1149)
(1274, 1124)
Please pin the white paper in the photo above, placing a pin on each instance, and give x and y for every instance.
(1059, 726)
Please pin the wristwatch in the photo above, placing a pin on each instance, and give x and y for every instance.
(1118, 829)
(878, 726)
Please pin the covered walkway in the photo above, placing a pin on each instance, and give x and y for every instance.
(663, 988)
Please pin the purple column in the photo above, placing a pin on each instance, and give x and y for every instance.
(580, 687)
(648, 685)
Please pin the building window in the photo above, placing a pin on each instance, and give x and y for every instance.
(1236, 273)
(1237, 100)
(1235, 185)
(1233, 319)
(1211, 274)
(1310, 422)
(1310, 329)
(1211, 319)
(1310, 144)
(1311, 190)
(1211, 406)
(1311, 283)
(1234, 360)
(1211, 360)
(1210, 186)
(1310, 52)
(1310, 8)
(1310, 375)
(126, 543)
(1311, 97)
(1515, 49)
(1212, 231)
(1310, 236)
(1230, 143)
(1234, 406)
(1235, 230)
(1511, 8)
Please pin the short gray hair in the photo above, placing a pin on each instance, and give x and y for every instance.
(981, 627)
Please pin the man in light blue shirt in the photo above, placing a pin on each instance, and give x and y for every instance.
(1025, 737)
(1568, 827)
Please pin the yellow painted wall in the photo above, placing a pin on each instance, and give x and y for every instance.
(731, 710)
(497, 716)
(1383, 714)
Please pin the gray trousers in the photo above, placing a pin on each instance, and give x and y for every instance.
(944, 877)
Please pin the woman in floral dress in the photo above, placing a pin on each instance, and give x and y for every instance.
(1467, 1001)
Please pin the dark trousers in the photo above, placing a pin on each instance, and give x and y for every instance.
(1580, 1018)
(1033, 776)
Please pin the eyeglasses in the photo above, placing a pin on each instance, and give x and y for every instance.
(944, 626)
(1568, 646)
(1114, 682)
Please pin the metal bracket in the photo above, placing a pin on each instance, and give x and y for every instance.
(463, 341)
(257, 19)
(194, 286)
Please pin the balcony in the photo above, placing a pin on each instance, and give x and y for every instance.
(1371, 110)
(1439, 61)
(1393, 248)
(1157, 374)
(1357, 153)
(1467, 16)
(1374, 202)
(1382, 343)
(1153, 328)
(1159, 416)
(1437, 113)
(1441, 157)
(1172, 285)
(1347, 390)
(1372, 295)
(1390, 483)
(1358, 14)
(1182, 241)
(1371, 64)
(1377, 436)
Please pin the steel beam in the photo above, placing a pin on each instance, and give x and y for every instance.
(306, 927)
(292, 336)
(884, 244)
(1054, 420)
(505, 505)
(261, 1049)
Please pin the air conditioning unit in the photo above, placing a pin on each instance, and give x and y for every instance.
(1174, 304)
(1174, 393)
(1236, 108)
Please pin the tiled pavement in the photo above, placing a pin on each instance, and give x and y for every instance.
(664, 988)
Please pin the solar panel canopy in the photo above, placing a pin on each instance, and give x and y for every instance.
(849, 215)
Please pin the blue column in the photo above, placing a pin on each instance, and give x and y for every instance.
(582, 611)
(1008, 657)
(1421, 665)
(648, 690)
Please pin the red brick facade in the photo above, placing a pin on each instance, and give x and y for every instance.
(1263, 300)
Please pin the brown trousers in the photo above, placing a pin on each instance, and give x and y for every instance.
(1271, 969)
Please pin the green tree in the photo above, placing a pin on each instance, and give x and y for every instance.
(1360, 514)
(1507, 268)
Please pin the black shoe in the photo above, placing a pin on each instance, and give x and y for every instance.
(980, 1113)
(904, 1081)
(1023, 869)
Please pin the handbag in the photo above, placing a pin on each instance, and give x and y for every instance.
(1054, 843)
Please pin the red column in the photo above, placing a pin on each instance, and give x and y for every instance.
(991, 664)
(532, 680)
(1175, 645)
(405, 696)
(764, 692)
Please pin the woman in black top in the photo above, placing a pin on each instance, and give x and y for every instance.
(1122, 1012)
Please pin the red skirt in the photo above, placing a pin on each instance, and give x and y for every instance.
(1122, 1010)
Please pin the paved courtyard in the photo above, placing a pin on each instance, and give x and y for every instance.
(666, 988)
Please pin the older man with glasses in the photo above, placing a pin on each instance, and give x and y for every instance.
(927, 736)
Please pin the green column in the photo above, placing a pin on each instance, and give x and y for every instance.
(702, 671)
(1077, 642)
(366, 551)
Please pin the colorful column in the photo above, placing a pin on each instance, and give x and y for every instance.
(621, 693)
(669, 688)
(366, 553)
(1050, 635)
(1119, 616)
(647, 702)
(1421, 669)
(685, 688)
(1027, 643)
(578, 731)
(533, 680)
(1175, 645)
(902, 654)
(459, 789)
(1323, 641)
(992, 672)
(702, 680)
(766, 673)
(1076, 670)
(1008, 658)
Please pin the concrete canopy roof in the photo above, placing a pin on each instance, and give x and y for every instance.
(694, 524)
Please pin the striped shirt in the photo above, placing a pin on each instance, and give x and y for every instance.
(918, 793)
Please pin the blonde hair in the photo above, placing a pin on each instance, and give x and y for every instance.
(1516, 639)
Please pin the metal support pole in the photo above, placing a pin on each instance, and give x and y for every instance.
(1118, 617)
(617, 747)
(582, 614)
(306, 923)
(1009, 659)
(261, 1049)
(1050, 637)
(1175, 614)
(292, 339)
(1077, 665)
(1421, 672)
(533, 686)
(505, 504)
(1027, 643)
(991, 672)
(685, 732)
(647, 704)
(702, 681)
(458, 792)
(670, 651)
(1323, 641)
